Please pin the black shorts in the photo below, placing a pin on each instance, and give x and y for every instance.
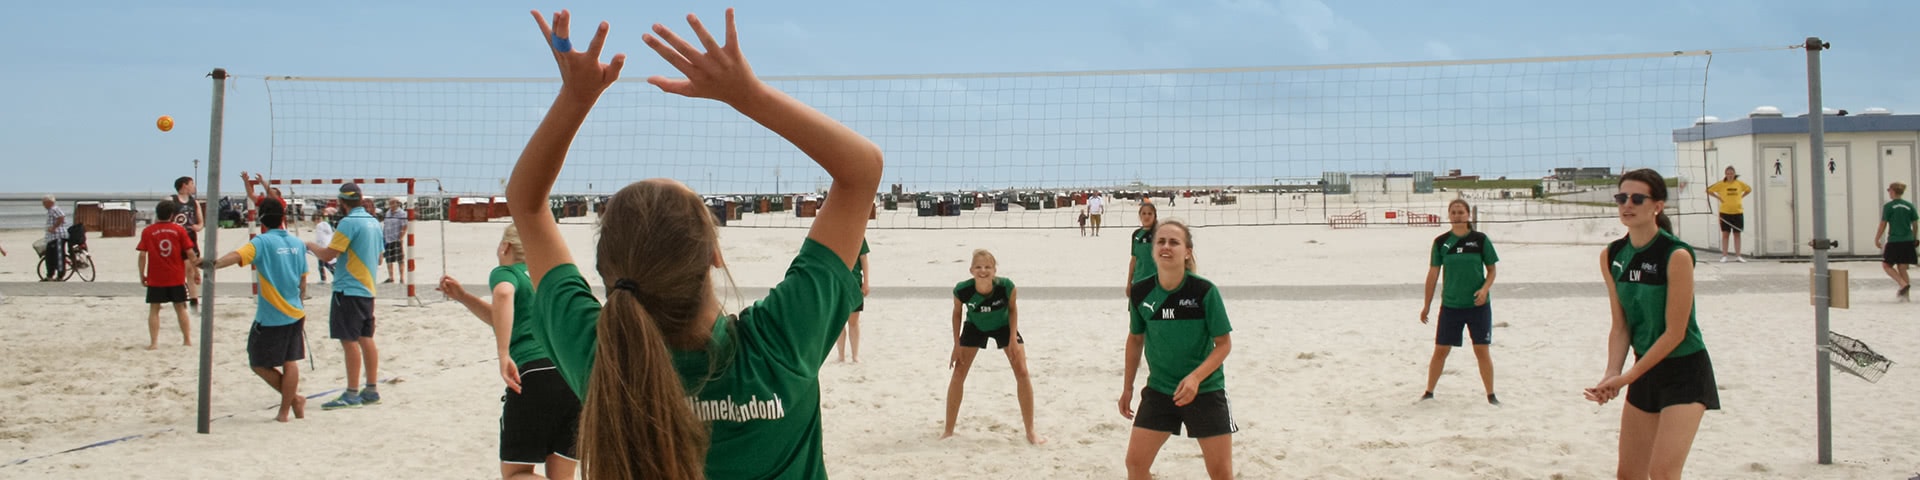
(541, 419)
(271, 347)
(1208, 415)
(1733, 222)
(393, 253)
(173, 294)
(861, 307)
(351, 318)
(1676, 381)
(971, 336)
(1476, 320)
(1897, 253)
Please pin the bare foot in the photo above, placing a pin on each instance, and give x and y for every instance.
(947, 435)
(300, 407)
(1036, 439)
(188, 343)
(153, 346)
(282, 418)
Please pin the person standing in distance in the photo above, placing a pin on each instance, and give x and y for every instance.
(1731, 192)
(1095, 207)
(1467, 258)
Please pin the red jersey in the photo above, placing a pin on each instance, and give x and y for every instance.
(166, 244)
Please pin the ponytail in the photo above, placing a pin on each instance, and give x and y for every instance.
(637, 421)
(1662, 220)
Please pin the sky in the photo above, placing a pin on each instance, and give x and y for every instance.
(86, 83)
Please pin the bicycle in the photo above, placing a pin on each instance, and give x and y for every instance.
(75, 261)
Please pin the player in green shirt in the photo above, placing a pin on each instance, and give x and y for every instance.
(1180, 322)
(992, 312)
(539, 416)
(1670, 385)
(1140, 265)
(672, 386)
(852, 333)
(1467, 258)
(1896, 238)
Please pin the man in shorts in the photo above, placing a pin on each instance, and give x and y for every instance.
(351, 319)
(1896, 237)
(393, 229)
(165, 250)
(278, 340)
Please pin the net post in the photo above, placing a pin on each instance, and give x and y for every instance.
(204, 412)
(1821, 290)
(413, 298)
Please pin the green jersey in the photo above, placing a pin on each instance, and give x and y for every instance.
(756, 383)
(860, 262)
(1179, 326)
(986, 311)
(1143, 266)
(1899, 215)
(520, 345)
(1463, 262)
(1640, 280)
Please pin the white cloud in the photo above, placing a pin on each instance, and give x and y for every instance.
(1317, 23)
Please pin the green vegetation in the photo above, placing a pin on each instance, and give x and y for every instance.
(1517, 183)
(1521, 183)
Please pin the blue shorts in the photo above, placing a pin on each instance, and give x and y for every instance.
(1476, 320)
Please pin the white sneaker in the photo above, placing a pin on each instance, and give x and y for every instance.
(1741, 259)
(1723, 259)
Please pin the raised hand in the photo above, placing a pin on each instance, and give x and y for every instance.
(581, 73)
(720, 73)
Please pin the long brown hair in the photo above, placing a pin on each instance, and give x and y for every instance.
(657, 244)
(1463, 204)
(1186, 234)
(1656, 191)
(1149, 206)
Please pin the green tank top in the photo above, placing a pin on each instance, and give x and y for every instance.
(1640, 279)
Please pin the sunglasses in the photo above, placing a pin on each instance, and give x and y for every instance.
(1637, 198)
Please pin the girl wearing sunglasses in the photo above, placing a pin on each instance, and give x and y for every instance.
(1670, 385)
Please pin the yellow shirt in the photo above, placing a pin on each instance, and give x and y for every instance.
(1731, 193)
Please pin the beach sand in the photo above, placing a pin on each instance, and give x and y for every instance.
(1329, 359)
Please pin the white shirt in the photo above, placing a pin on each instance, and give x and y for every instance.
(322, 232)
(1095, 206)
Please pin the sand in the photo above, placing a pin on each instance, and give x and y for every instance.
(1329, 360)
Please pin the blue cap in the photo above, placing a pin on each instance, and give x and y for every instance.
(350, 191)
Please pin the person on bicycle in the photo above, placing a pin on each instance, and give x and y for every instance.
(56, 235)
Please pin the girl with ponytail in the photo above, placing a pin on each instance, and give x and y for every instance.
(674, 387)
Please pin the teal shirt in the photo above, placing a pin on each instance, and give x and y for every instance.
(1463, 262)
(280, 265)
(756, 383)
(1179, 326)
(990, 311)
(520, 344)
(1899, 215)
(1640, 280)
(358, 239)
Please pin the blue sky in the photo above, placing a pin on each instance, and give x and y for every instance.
(86, 82)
